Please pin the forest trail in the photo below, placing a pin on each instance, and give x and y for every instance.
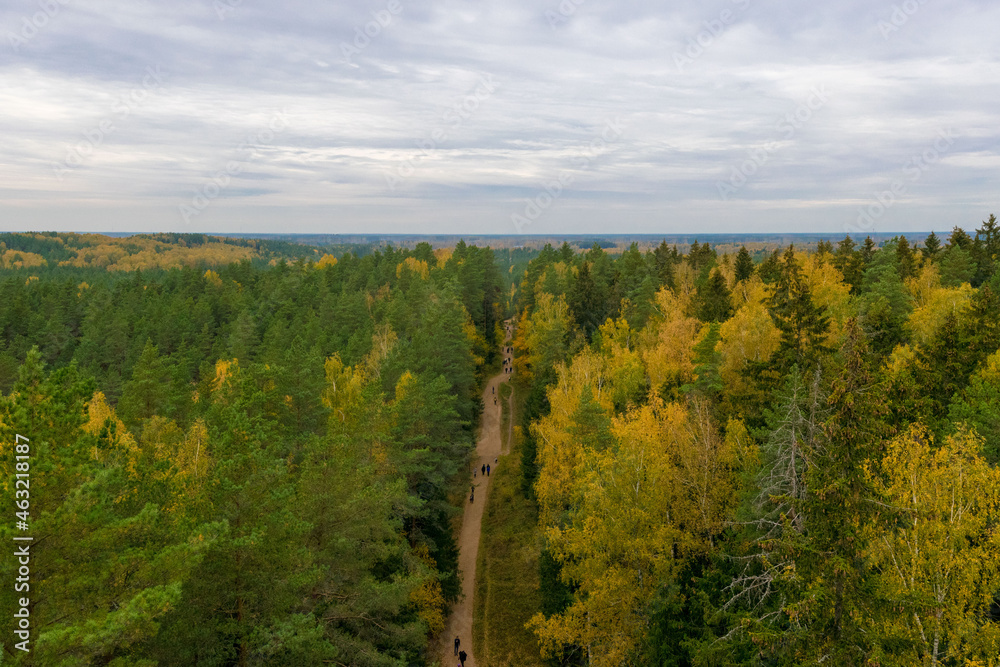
(488, 449)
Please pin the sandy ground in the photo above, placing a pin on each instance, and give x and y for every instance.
(488, 449)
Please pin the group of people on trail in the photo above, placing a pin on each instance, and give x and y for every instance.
(485, 469)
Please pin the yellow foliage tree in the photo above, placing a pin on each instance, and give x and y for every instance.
(213, 278)
(224, 369)
(668, 341)
(117, 447)
(343, 391)
(937, 304)
(427, 598)
(417, 266)
(325, 261)
(826, 283)
(748, 336)
(637, 509)
(923, 284)
(938, 560)
(619, 345)
(558, 454)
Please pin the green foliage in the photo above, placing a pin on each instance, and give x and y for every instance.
(847, 260)
(744, 264)
(884, 304)
(932, 246)
(715, 298)
(803, 324)
(957, 266)
(266, 473)
(978, 407)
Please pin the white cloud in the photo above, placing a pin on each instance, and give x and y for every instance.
(556, 85)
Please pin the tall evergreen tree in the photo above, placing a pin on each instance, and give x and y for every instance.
(803, 324)
(665, 260)
(848, 262)
(715, 299)
(932, 246)
(905, 259)
(840, 509)
(744, 264)
(987, 244)
(585, 302)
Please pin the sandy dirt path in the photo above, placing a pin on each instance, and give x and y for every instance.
(488, 449)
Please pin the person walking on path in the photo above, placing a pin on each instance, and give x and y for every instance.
(462, 655)
(484, 469)
(487, 469)
(457, 642)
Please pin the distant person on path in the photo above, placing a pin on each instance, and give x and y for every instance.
(462, 656)
(487, 469)
(484, 469)
(472, 494)
(457, 642)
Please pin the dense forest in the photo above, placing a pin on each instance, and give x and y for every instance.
(254, 455)
(243, 465)
(783, 462)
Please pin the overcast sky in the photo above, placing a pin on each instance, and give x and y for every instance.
(503, 117)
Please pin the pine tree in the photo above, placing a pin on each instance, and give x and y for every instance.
(932, 246)
(848, 262)
(957, 266)
(770, 268)
(238, 602)
(744, 264)
(144, 395)
(867, 252)
(665, 259)
(803, 325)
(715, 299)
(905, 258)
(584, 302)
(987, 244)
(707, 360)
(839, 508)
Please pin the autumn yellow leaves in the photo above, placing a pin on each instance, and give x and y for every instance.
(626, 495)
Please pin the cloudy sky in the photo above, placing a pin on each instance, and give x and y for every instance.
(499, 117)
